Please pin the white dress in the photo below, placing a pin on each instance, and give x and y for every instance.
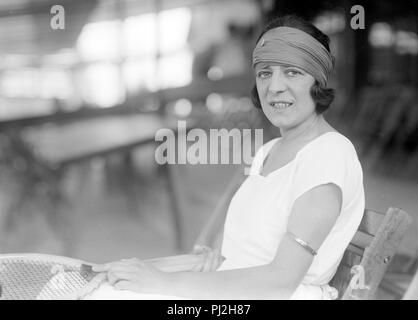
(257, 215)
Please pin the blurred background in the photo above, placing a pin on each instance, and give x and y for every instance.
(80, 106)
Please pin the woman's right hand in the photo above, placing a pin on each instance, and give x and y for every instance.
(212, 259)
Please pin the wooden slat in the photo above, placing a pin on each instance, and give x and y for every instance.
(350, 258)
(362, 240)
(379, 254)
(371, 222)
(356, 250)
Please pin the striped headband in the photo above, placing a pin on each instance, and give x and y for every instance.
(291, 46)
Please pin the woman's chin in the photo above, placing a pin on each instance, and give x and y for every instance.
(279, 121)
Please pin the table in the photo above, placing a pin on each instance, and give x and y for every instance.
(82, 140)
(64, 145)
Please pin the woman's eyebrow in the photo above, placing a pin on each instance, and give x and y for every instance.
(287, 66)
(263, 66)
(294, 67)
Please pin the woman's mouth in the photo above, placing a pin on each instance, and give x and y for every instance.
(280, 105)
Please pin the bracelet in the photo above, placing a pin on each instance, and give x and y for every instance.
(304, 244)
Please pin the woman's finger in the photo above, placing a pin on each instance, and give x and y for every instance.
(219, 262)
(125, 268)
(108, 266)
(130, 260)
(215, 262)
(101, 267)
(114, 277)
(116, 264)
(208, 261)
(198, 249)
(222, 258)
(123, 285)
(203, 266)
(196, 268)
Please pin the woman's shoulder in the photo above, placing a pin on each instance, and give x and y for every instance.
(328, 143)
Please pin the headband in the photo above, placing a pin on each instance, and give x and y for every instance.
(294, 47)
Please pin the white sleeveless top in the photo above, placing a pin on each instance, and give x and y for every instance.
(258, 213)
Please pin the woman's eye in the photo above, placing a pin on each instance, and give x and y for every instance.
(263, 74)
(293, 72)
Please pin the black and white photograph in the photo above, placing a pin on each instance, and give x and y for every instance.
(217, 150)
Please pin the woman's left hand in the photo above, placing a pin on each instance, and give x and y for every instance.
(135, 275)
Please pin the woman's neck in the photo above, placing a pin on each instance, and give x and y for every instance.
(302, 130)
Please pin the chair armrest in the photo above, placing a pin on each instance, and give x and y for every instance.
(177, 263)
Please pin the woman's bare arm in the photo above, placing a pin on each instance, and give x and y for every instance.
(312, 218)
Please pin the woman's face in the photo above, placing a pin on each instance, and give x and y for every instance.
(284, 93)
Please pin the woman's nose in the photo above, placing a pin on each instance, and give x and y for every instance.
(277, 83)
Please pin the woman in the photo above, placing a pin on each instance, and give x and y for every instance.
(291, 220)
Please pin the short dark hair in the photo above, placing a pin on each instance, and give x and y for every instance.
(322, 96)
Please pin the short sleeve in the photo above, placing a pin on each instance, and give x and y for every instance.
(327, 162)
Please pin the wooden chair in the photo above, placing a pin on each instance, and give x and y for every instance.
(371, 250)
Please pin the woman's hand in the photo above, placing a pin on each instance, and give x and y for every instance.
(134, 275)
(212, 260)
